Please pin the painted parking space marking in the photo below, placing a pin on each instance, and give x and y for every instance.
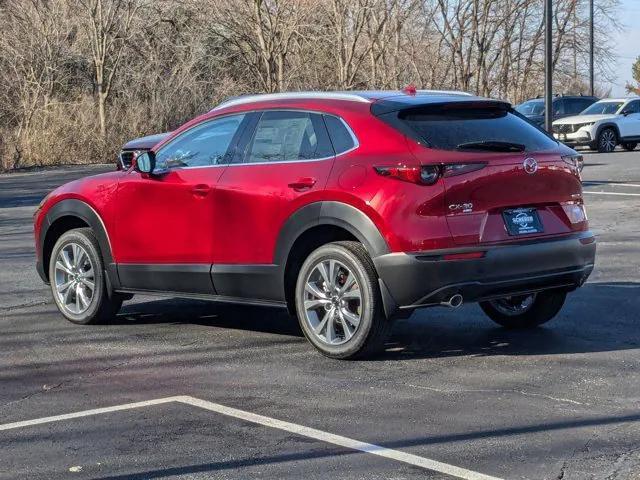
(613, 193)
(295, 428)
(596, 183)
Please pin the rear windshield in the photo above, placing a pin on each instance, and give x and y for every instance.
(532, 107)
(451, 127)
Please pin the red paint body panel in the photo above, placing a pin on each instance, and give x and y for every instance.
(234, 214)
(169, 219)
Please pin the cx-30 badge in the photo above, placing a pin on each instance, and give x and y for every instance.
(530, 165)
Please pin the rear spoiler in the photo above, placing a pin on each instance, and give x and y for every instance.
(434, 105)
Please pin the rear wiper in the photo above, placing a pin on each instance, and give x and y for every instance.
(493, 146)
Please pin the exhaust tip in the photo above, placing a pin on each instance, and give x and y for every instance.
(454, 302)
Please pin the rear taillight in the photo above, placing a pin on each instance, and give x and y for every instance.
(422, 175)
(576, 161)
(453, 169)
(428, 174)
(575, 212)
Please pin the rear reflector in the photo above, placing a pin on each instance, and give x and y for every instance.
(463, 256)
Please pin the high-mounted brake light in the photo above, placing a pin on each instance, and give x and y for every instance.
(423, 175)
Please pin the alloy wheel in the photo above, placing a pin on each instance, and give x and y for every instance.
(513, 306)
(332, 302)
(74, 278)
(608, 140)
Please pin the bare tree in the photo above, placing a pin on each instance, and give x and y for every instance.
(107, 26)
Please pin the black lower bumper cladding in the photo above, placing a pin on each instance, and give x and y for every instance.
(424, 279)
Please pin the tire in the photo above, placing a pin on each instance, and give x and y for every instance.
(630, 146)
(607, 140)
(544, 306)
(76, 262)
(338, 337)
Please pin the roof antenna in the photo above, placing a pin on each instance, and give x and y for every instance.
(410, 89)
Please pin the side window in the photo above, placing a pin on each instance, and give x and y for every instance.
(341, 138)
(203, 145)
(559, 107)
(284, 136)
(586, 103)
(633, 107)
(574, 106)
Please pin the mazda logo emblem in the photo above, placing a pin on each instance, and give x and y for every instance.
(530, 165)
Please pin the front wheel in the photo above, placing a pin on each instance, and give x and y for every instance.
(77, 279)
(525, 311)
(607, 140)
(630, 146)
(338, 301)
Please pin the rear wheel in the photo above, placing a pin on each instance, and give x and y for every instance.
(338, 301)
(607, 140)
(525, 311)
(630, 146)
(77, 279)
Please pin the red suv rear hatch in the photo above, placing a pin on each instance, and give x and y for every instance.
(480, 205)
(505, 180)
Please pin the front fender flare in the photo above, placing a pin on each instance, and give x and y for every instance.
(72, 207)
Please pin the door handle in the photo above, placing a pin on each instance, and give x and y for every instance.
(200, 190)
(304, 183)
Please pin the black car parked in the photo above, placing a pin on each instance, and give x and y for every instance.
(563, 106)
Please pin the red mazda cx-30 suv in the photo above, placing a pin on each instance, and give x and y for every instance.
(350, 209)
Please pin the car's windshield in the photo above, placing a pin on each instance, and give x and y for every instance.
(531, 107)
(602, 108)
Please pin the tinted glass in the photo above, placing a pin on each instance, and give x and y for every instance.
(574, 105)
(203, 145)
(446, 127)
(282, 136)
(559, 107)
(633, 107)
(340, 136)
(532, 107)
(585, 102)
(600, 108)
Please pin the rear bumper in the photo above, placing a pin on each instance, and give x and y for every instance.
(425, 278)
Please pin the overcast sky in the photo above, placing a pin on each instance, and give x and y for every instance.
(628, 45)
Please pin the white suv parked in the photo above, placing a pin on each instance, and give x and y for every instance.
(603, 125)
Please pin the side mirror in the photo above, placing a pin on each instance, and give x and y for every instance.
(626, 112)
(145, 162)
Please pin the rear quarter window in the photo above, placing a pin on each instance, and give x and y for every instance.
(341, 138)
(445, 127)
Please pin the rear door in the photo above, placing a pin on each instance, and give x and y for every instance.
(282, 165)
(497, 167)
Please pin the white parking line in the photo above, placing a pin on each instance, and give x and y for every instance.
(613, 193)
(596, 183)
(308, 432)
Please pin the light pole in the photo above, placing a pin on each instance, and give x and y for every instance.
(548, 66)
(591, 87)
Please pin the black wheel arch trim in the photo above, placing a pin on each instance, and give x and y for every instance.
(72, 207)
(333, 213)
(607, 125)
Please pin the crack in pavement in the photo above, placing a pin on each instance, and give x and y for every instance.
(514, 391)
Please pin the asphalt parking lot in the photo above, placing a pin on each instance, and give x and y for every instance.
(215, 391)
